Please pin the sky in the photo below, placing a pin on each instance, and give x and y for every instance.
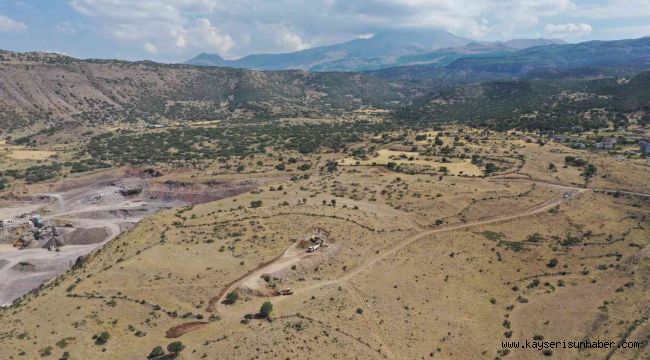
(177, 30)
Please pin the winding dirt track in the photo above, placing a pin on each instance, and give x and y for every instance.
(571, 192)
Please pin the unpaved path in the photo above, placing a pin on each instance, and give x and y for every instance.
(284, 261)
(227, 313)
(401, 245)
(291, 256)
(566, 187)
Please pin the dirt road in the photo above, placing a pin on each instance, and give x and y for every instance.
(284, 261)
(291, 256)
(228, 313)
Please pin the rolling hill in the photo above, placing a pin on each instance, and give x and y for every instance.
(41, 91)
(48, 89)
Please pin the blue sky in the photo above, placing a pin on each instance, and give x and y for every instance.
(176, 30)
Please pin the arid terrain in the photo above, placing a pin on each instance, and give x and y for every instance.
(389, 179)
(398, 250)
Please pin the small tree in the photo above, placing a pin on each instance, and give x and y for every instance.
(155, 352)
(331, 165)
(231, 298)
(266, 309)
(175, 347)
(102, 338)
(589, 171)
(256, 203)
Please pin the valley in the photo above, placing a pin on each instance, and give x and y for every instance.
(425, 246)
(406, 194)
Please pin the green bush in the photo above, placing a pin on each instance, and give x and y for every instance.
(231, 298)
(102, 338)
(155, 352)
(266, 309)
(175, 347)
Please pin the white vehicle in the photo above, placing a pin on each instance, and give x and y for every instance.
(285, 292)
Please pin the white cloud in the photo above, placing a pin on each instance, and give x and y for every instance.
(285, 39)
(616, 9)
(569, 30)
(629, 31)
(169, 26)
(233, 28)
(150, 48)
(291, 41)
(204, 32)
(68, 28)
(8, 24)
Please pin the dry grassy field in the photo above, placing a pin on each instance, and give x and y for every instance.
(30, 154)
(416, 263)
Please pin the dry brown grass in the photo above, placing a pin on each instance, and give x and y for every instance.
(30, 154)
(448, 294)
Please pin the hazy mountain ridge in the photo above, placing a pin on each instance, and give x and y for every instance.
(379, 51)
(592, 53)
(45, 90)
(587, 59)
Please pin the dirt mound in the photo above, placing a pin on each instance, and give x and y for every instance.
(179, 330)
(24, 266)
(130, 192)
(199, 192)
(150, 172)
(113, 214)
(85, 236)
(260, 292)
(52, 242)
(36, 266)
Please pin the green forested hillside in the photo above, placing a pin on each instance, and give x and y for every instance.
(534, 104)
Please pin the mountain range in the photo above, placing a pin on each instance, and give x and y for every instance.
(591, 59)
(383, 50)
(40, 91)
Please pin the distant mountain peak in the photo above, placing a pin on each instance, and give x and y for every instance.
(205, 59)
(387, 48)
(520, 44)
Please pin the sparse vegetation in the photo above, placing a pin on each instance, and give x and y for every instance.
(266, 309)
(231, 298)
(102, 338)
(175, 347)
